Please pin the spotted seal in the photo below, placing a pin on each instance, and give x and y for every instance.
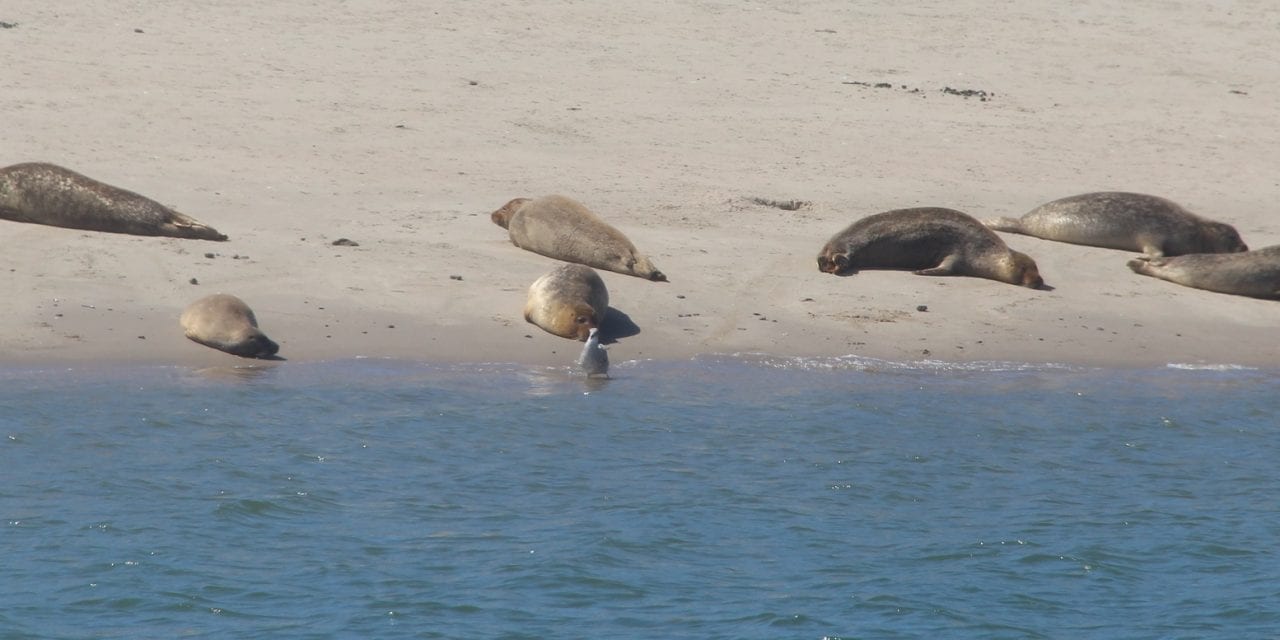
(43, 193)
(568, 302)
(562, 228)
(1248, 273)
(1128, 221)
(224, 322)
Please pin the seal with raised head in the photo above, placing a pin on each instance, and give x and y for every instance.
(562, 228)
(1249, 273)
(43, 193)
(929, 241)
(568, 302)
(1128, 221)
(224, 322)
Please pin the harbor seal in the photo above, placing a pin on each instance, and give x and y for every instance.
(568, 302)
(1127, 221)
(594, 360)
(43, 193)
(224, 322)
(1250, 273)
(930, 241)
(562, 228)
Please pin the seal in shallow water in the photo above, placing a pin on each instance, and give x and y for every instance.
(43, 193)
(224, 322)
(930, 241)
(568, 302)
(1249, 273)
(1128, 221)
(564, 229)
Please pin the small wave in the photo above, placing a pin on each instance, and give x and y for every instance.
(863, 363)
(279, 508)
(1187, 366)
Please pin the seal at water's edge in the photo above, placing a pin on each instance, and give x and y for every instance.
(568, 302)
(1250, 273)
(930, 241)
(224, 322)
(1128, 221)
(594, 360)
(562, 228)
(42, 193)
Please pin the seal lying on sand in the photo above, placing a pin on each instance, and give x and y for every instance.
(930, 241)
(564, 229)
(226, 323)
(48, 194)
(1250, 273)
(1129, 221)
(568, 302)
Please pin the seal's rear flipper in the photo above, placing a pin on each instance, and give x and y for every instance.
(1012, 225)
(188, 227)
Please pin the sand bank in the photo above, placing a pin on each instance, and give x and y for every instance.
(292, 124)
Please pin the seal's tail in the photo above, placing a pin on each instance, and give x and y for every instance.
(1012, 225)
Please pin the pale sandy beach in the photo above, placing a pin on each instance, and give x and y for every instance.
(401, 126)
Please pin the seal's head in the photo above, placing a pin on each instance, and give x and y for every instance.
(578, 320)
(834, 262)
(1022, 270)
(254, 344)
(502, 217)
(1220, 237)
(642, 267)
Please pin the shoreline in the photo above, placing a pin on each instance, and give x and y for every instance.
(403, 130)
(784, 307)
(834, 365)
(341, 302)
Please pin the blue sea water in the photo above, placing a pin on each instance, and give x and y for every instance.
(715, 498)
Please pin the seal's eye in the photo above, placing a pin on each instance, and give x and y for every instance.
(842, 261)
(580, 320)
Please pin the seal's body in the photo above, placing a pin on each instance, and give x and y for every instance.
(568, 302)
(1250, 273)
(564, 229)
(929, 241)
(224, 322)
(48, 194)
(1127, 221)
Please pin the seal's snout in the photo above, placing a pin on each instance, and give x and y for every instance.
(586, 323)
(836, 264)
(256, 346)
(266, 347)
(1032, 280)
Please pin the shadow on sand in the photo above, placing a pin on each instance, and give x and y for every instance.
(617, 325)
